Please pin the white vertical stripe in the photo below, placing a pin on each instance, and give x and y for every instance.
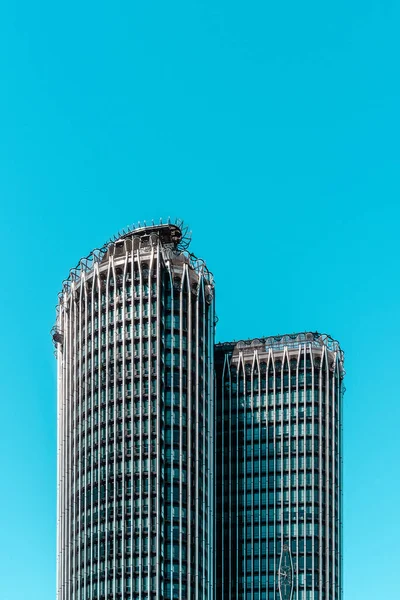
(158, 433)
(334, 541)
(297, 469)
(312, 471)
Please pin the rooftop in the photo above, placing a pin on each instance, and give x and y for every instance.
(176, 234)
(279, 342)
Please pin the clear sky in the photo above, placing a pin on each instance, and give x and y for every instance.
(272, 129)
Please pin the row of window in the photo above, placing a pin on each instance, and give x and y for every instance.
(277, 447)
(140, 405)
(177, 416)
(274, 595)
(296, 428)
(297, 479)
(274, 381)
(296, 398)
(276, 464)
(299, 495)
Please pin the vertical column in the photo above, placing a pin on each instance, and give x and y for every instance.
(281, 519)
(202, 507)
(100, 480)
(73, 470)
(297, 472)
(133, 419)
(211, 455)
(112, 415)
(340, 479)
(267, 454)
(252, 451)
(109, 534)
(120, 300)
(190, 425)
(259, 445)
(63, 449)
(333, 484)
(274, 474)
(159, 448)
(83, 417)
(289, 449)
(91, 445)
(60, 395)
(150, 417)
(320, 475)
(326, 482)
(182, 536)
(313, 551)
(172, 451)
(243, 484)
(197, 434)
(305, 429)
(141, 525)
(227, 370)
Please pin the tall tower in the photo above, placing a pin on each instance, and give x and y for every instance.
(134, 341)
(279, 468)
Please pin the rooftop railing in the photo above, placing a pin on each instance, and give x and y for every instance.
(280, 342)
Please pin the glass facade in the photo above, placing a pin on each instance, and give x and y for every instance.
(279, 469)
(187, 470)
(135, 343)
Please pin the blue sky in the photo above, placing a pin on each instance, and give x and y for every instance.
(273, 130)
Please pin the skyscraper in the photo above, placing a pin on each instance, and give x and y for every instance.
(134, 341)
(188, 470)
(279, 468)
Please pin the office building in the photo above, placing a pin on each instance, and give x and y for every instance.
(134, 341)
(279, 468)
(187, 470)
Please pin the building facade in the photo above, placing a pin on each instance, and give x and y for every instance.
(134, 340)
(187, 470)
(279, 468)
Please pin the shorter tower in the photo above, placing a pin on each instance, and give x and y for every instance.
(279, 468)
